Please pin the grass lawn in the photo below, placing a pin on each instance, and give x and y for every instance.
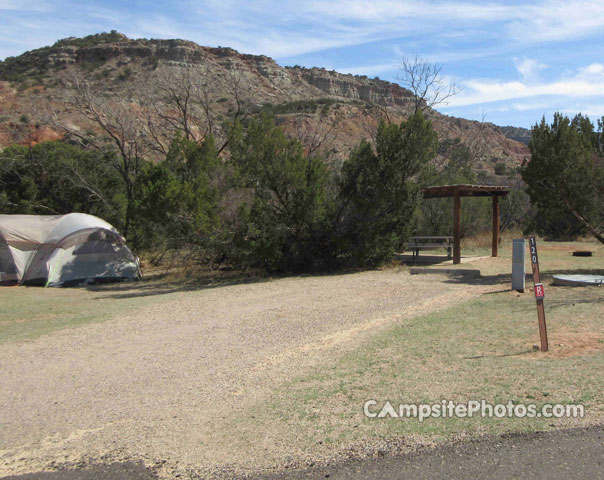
(29, 312)
(482, 349)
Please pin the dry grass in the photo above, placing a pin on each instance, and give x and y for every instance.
(248, 374)
(174, 367)
(483, 240)
(481, 349)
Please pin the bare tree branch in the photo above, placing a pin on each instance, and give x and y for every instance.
(121, 124)
(184, 101)
(424, 79)
(316, 133)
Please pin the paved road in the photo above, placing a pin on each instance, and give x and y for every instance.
(112, 471)
(576, 454)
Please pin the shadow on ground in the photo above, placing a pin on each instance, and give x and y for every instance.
(110, 471)
(555, 455)
(423, 260)
(162, 284)
(503, 278)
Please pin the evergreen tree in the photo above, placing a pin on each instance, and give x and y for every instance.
(177, 200)
(565, 177)
(58, 178)
(378, 190)
(284, 220)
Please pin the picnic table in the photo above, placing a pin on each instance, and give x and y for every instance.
(430, 243)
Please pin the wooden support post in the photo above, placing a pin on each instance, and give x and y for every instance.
(495, 244)
(539, 293)
(456, 227)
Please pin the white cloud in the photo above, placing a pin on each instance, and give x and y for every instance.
(359, 21)
(594, 68)
(527, 106)
(385, 10)
(575, 86)
(10, 5)
(555, 20)
(370, 70)
(289, 27)
(529, 68)
(16, 5)
(159, 26)
(106, 14)
(590, 110)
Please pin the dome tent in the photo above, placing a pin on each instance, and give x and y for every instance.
(58, 250)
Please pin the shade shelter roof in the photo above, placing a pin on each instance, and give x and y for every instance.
(466, 190)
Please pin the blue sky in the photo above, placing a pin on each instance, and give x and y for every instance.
(516, 61)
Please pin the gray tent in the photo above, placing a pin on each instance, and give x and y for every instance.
(56, 250)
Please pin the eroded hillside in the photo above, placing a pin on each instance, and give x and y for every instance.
(152, 85)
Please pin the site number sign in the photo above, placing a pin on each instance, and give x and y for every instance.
(533, 250)
(539, 293)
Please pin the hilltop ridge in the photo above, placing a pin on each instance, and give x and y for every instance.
(120, 65)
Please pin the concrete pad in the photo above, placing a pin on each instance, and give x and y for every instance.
(446, 271)
(408, 259)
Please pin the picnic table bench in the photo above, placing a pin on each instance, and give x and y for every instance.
(430, 243)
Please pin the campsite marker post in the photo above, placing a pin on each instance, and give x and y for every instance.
(539, 293)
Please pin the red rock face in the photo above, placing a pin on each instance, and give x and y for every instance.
(122, 69)
(44, 134)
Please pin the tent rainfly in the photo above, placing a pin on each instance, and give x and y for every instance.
(60, 250)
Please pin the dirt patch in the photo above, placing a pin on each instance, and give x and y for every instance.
(574, 344)
(165, 382)
(35, 89)
(44, 134)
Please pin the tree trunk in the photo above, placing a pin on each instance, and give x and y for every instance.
(594, 231)
(129, 201)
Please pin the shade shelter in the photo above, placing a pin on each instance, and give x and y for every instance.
(464, 190)
(57, 250)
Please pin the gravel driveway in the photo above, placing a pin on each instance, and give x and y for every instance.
(160, 384)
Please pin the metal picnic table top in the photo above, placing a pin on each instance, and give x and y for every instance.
(432, 237)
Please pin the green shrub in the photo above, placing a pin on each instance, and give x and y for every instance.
(298, 106)
(377, 192)
(90, 67)
(500, 168)
(153, 62)
(56, 177)
(91, 40)
(125, 75)
(565, 177)
(284, 224)
(177, 200)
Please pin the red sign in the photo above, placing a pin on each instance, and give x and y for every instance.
(539, 292)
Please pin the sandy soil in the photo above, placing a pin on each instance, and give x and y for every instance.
(163, 383)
